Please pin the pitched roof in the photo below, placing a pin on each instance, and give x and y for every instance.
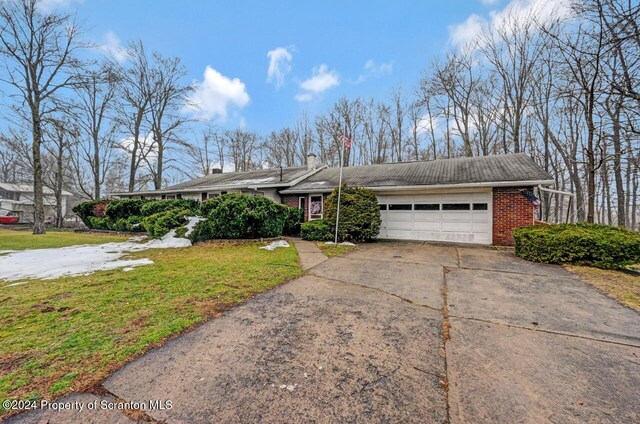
(482, 170)
(274, 177)
(28, 188)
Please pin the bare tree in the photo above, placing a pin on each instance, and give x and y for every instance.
(95, 95)
(167, 95)
(134, 93)
(40, 51)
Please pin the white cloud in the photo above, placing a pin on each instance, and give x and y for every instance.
(489, 2)
(112, 47)
(279, 65)
(463, 34)
(374, 70)
(320, 81)
(213, 96)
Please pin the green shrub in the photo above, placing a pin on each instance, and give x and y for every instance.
(317, 230)
(85, 210)
(359, 213)
(201, 231)
(159, 224)
(155, 206)
(123, 209)
(582, 244)
(98, 223)
(239, 216)
(131, 224)
(293, 220)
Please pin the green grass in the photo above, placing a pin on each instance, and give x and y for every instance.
(24, 239)
(331, 250)
(67, 334)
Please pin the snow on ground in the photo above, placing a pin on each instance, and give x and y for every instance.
(275, 244)
(84, 259)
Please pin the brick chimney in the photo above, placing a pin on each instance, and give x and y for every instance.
(311, 162)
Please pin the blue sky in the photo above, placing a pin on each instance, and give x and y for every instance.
(354, 48)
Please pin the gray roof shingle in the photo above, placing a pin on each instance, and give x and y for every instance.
(459, 171)
(261, 177)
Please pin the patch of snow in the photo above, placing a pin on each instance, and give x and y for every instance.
(127, 269)
(53, 263)
(347, 243)
(275, 244)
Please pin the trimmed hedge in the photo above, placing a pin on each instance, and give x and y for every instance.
(582, 244)
(123, 209)
(239, 216)
(359, 214)
(293, 220)
(159, 224)
(156, 206)
(317, 230)
(128, 214)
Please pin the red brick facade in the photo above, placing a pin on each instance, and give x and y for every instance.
(293, 201)
(510, 210)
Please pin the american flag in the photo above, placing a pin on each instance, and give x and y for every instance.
(531, 197)
(347, 142)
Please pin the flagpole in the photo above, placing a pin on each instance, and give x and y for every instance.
(339, 188)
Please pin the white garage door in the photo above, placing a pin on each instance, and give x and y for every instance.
(455, 217)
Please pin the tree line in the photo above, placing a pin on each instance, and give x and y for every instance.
(564, 90)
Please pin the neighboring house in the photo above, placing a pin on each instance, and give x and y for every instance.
(476, 200)
(18, 198)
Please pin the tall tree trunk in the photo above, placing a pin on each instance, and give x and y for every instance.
(38, 193)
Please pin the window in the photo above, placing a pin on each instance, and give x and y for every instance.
(427, 207)
(456, 206)
(315, 207)
(179, 196)
(302, 203)
(399, 207)
(203, 196)
(383, 207)
(480, 206)
(170, 197)
(223, 192)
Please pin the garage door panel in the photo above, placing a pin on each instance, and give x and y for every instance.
(422, 216)
(423, 223)
(457, 216)
(457, 226)
(427, 225)
(399, 234)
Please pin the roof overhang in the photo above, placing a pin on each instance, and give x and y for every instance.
(222, 187)
(431, 187)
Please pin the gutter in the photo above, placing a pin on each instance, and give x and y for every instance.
(432, 187)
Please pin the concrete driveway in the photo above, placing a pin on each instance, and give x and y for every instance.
(403, 332)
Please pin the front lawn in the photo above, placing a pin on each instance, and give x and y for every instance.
(622, 286)
(67, 334)
(24, 239)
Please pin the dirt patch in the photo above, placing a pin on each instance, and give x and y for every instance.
(619, 285)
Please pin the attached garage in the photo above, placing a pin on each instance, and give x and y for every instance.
(476, 200)
(454, 217)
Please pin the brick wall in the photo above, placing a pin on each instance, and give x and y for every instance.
(510, 210)
(292, 201)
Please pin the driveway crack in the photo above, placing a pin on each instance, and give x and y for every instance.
(542, 330)
(404, 299)
(446, 336)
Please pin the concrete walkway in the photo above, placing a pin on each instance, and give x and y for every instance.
(308, 253)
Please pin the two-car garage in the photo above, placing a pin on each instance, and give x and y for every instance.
(464, 217)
